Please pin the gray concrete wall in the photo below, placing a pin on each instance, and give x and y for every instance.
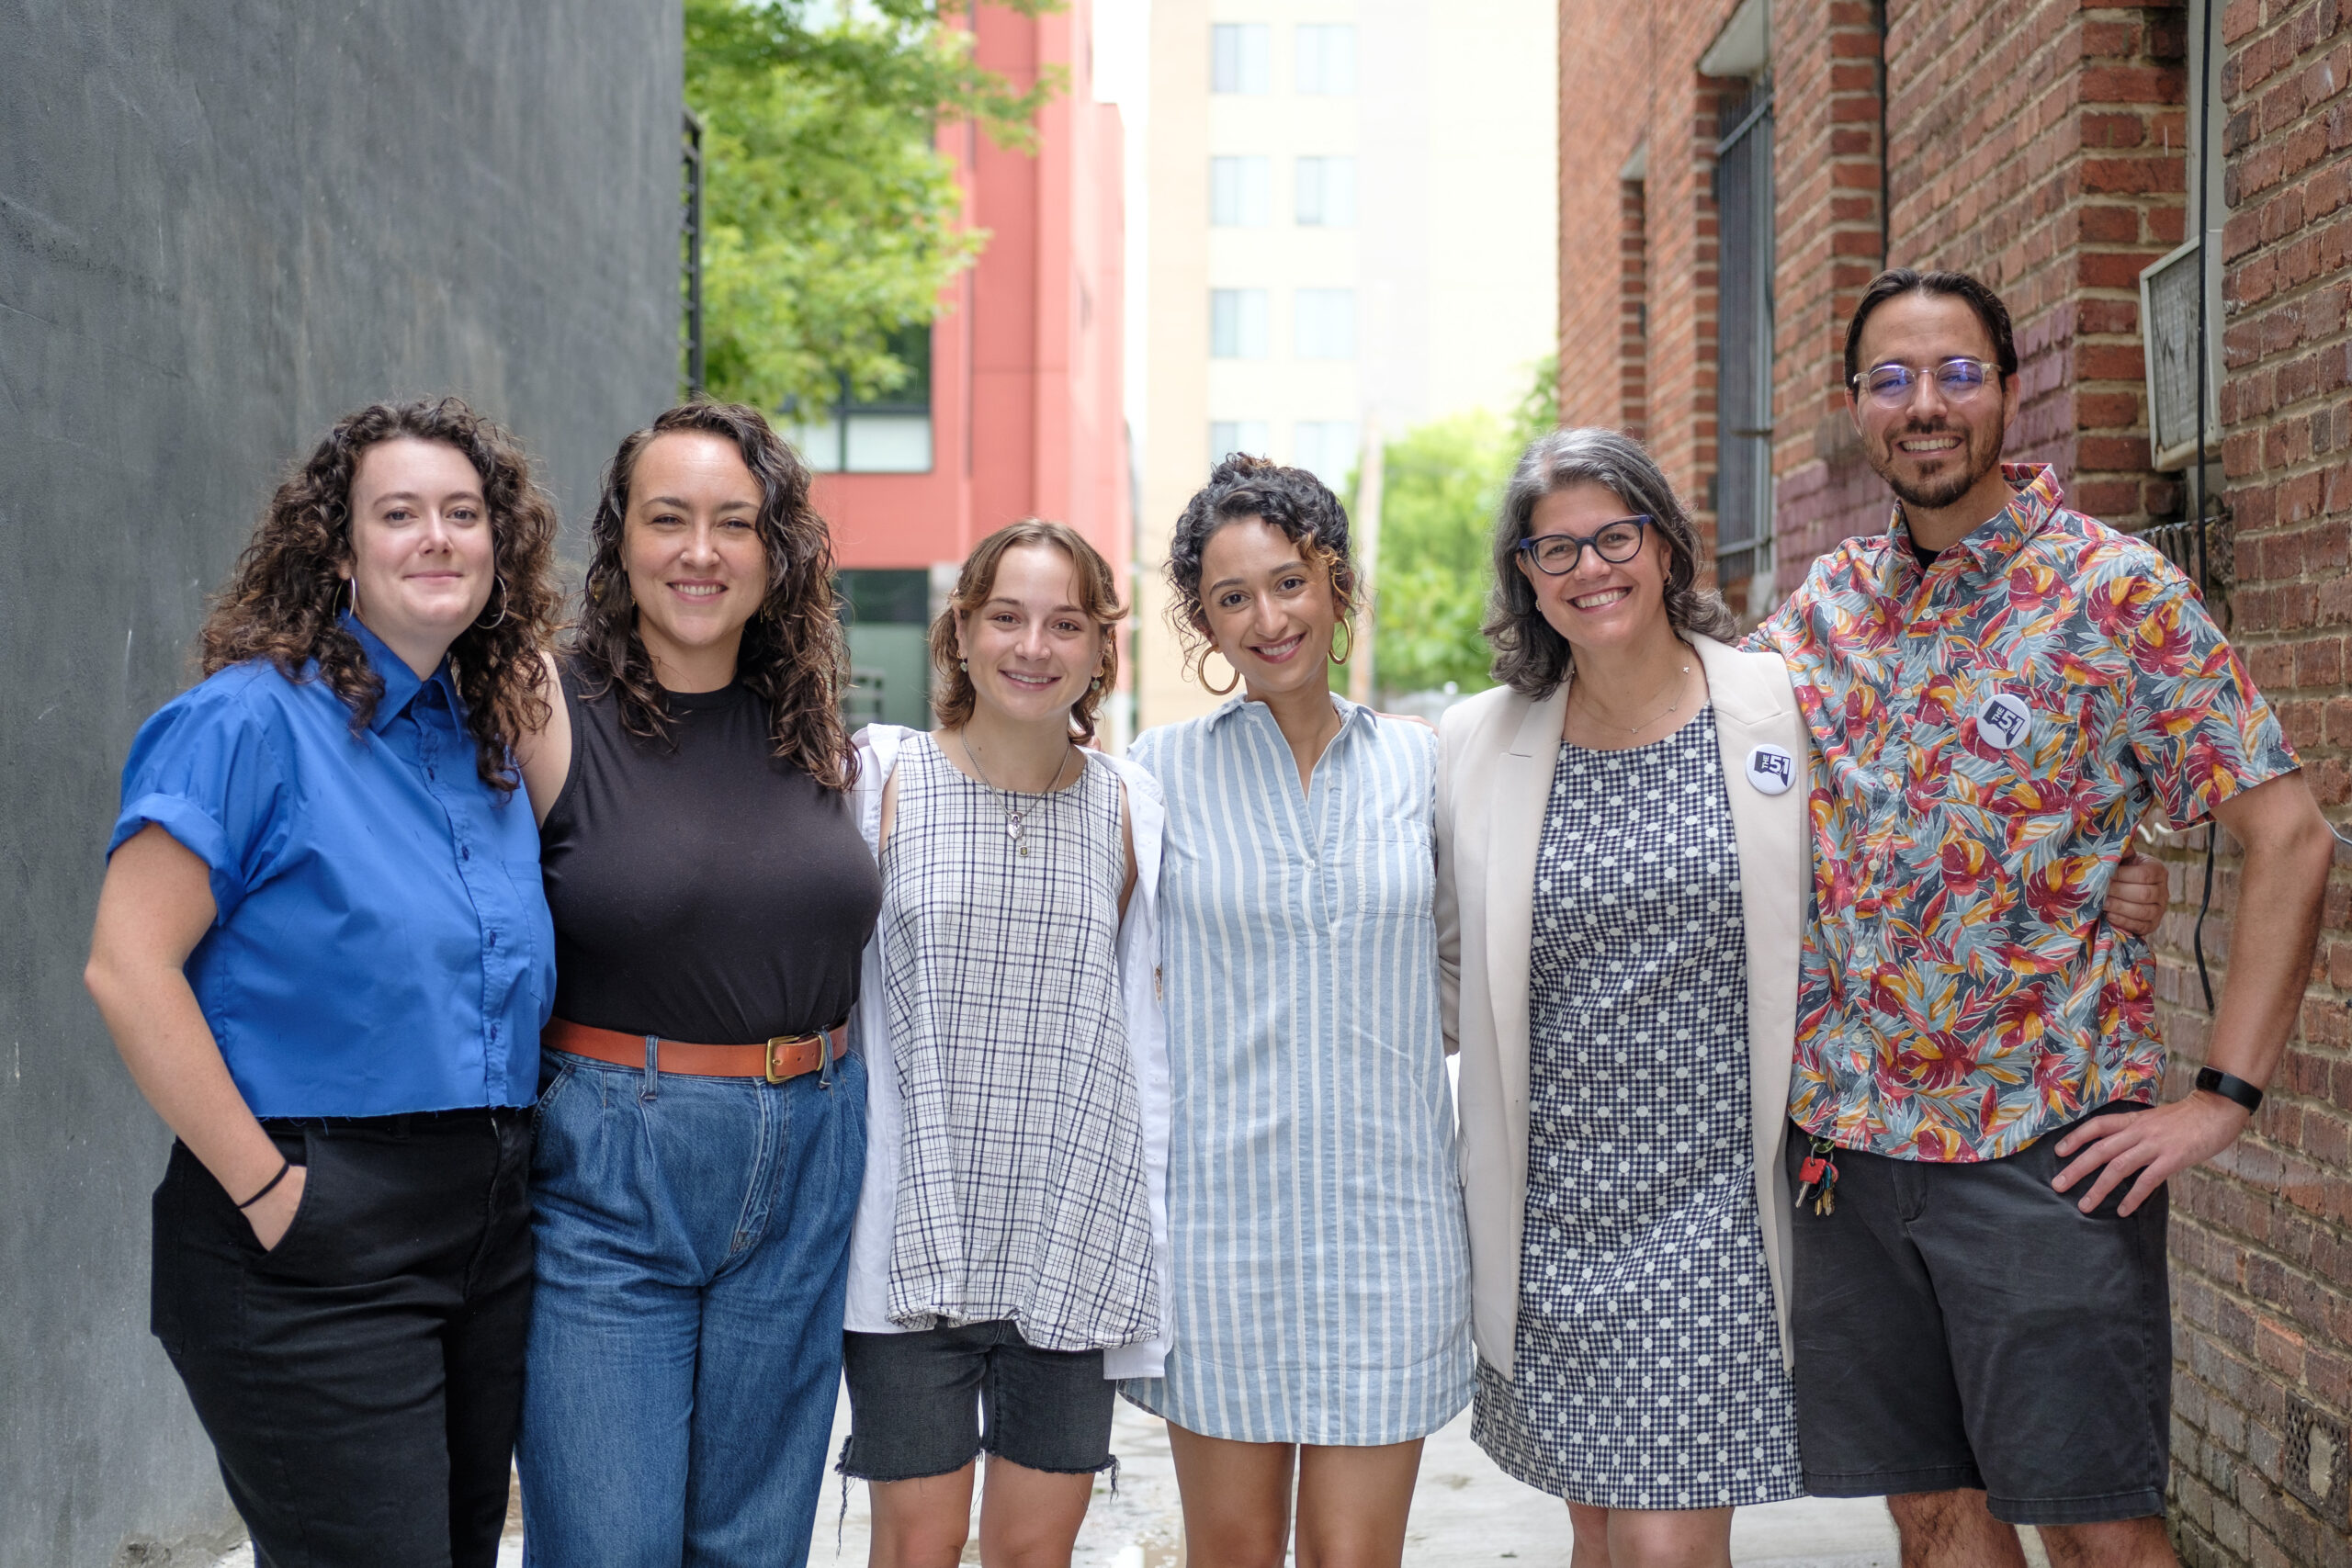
(223, 222)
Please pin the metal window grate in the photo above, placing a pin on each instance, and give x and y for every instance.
(1744, 335)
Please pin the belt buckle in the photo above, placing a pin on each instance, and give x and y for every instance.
(775, 1040)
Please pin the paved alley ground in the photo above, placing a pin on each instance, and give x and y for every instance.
(1466, 1514)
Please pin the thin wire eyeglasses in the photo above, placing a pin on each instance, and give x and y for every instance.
(1959, 379)
(1556, 555)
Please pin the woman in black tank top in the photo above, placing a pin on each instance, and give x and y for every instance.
(701, 1136)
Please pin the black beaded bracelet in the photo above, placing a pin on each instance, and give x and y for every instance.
(2212, 1080)
(286, 1164)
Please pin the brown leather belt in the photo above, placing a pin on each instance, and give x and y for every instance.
(786, 1057)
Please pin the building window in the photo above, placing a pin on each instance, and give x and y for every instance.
(1241, 192)
(1326, 325)
(2169, 289)
(1239, 323)
(886, 616)
(1326, 449)
(886, 434)
(1327, 58)
(1227, 437)
(1327, 193)
(1744, 333)
(1241, 58)
(1634, 304)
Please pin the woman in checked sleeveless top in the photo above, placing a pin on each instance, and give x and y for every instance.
(1005, 1264)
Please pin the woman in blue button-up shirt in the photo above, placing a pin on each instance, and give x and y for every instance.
(323, 950)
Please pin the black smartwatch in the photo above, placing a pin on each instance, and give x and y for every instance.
(2234, 1089)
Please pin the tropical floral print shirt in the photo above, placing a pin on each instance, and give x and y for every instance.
(1989, 730)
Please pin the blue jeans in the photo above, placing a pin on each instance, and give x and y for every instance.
(685, 1347)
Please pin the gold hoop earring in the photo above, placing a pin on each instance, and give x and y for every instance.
(1348, 627)
(1203, 676)
(351, 586)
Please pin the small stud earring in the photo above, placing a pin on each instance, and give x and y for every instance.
(965, 665)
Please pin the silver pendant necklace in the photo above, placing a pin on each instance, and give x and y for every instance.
(1015, 825)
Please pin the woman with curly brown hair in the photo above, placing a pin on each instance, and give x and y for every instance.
(1319, 1315)
(323, 953)
(701, 1137)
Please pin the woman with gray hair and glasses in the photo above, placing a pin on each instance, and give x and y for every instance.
(1622, 880)
(1621, 895)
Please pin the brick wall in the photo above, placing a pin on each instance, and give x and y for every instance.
(1604, 121)
(2262, 1241)
(1831, 180)
(2039, 143)
(2053, 170)
(1630, 83)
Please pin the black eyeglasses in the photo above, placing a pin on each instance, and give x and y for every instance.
(1556, 555)
(1892, 386)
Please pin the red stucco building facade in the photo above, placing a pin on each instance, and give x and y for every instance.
(1024, 398)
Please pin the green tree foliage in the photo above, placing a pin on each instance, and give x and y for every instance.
(1444, 482)
(831, 219)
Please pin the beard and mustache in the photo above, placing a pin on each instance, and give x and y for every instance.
(1978, 453)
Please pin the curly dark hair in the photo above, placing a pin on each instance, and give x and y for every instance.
(1098, 594)
(1530, 656)
(281, 603)
(1292, 499)
(793, 653)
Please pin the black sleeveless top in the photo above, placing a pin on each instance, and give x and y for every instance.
(703, 890)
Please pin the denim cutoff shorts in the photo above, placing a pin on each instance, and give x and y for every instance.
(928, 1403)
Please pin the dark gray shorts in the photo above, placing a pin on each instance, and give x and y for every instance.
(1964, 1325)
(928, 1403)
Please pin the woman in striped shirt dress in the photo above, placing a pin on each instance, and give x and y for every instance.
(1318, 1303)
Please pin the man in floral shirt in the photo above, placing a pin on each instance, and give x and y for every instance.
(1999, 690)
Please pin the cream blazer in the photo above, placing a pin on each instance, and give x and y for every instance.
(1494, 759)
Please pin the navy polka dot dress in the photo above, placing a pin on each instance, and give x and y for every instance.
(1648, 1361)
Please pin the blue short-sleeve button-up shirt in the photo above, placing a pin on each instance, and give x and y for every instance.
(381, 941)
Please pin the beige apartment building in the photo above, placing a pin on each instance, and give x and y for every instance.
(1353, 229)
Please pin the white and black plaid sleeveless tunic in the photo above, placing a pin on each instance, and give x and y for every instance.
(1022, 1189)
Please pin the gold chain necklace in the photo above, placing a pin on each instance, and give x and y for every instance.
(1593, 709)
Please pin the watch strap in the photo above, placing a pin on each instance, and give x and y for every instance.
(2212, 1080)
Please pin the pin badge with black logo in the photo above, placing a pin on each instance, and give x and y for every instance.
(2004, 720)
(1771, 770)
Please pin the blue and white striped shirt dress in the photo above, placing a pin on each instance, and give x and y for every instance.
(1321, 1289)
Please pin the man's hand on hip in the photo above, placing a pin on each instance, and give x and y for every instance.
(2152, 1144)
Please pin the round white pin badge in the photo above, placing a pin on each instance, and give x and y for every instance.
(1771, 770)
(2002, 720)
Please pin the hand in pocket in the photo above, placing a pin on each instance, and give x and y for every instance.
(275, 1213)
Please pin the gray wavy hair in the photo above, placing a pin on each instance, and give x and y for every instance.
(1530, 656)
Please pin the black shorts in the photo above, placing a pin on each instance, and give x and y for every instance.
(917, 1402)
(1964, 1325)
